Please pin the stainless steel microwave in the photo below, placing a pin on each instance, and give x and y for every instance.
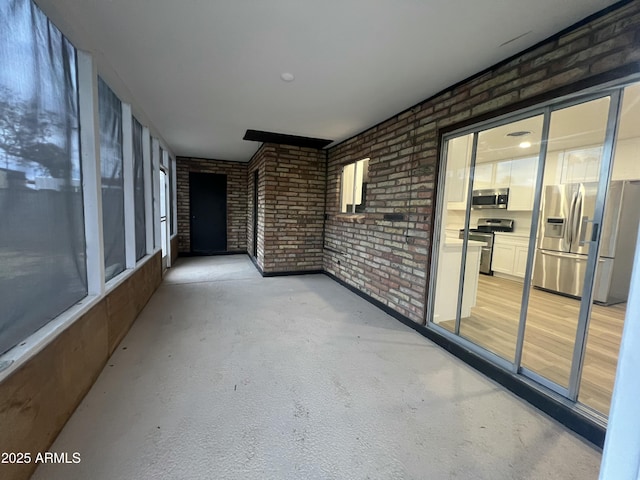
(490, 198)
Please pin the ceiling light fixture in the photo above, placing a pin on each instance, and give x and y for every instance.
(524, 144)
(287, 77)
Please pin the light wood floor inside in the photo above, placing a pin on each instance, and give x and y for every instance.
(549, 335)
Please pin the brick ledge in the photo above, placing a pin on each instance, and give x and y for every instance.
(351, 217)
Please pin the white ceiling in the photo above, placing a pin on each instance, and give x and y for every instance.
(203, 71)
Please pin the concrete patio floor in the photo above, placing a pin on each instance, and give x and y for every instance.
(228, 375)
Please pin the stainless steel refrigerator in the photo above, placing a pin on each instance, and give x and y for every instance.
(563, 239)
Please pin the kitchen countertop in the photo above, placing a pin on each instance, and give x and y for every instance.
(456, 242)
(513, 234)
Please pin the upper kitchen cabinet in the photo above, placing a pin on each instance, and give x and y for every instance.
(626, 164)
(502, 174)
(483, 176)
(517, 175)
(577, 166)
(458, 162)
(492, 175)
(507, 158)
(581, 165)
(579, 156)
(522, 183)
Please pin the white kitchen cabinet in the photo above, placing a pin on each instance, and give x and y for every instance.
(502, 174)
(452, 233)
(581, 165)
(510, 254)
(553, 167)
(503, 257)
(522, 183)
(626, 160)
(458, 163)
(449, 261)
(520, 263)
(492, 175)
(576, 166)
(483, 176)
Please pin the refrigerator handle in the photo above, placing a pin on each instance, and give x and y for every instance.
(594, 231)
(578, 221)
(569, 229)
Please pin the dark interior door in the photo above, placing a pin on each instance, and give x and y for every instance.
(255, 214)
(208, 204)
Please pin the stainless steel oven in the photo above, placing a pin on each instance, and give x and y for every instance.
(487, 249)
(484, 233)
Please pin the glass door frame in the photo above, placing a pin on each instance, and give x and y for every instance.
(614, 92)
(163, 173)
(606, 168)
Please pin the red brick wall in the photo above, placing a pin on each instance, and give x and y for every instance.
(389, 260)
(236, 173)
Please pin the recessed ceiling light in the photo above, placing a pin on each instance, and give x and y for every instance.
(287, 77)
(519, 133)
(525, 144)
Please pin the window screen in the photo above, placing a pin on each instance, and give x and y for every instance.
(110, 110)
(138, 179)
(42, 245)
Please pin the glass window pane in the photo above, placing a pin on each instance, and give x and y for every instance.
(348, 174)
(507, 157)
(362, 180)
(163, 212)
(613, 271)
(172, 181)
(138, 167)
(154, 200)
(110, 111)
(42, 244)
(568, 195)
(452, 221)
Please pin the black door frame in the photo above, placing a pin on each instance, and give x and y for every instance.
(209, 235)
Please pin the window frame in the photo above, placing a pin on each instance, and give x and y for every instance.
(362, 187)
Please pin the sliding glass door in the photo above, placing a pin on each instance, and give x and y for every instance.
(565, 252)
(545, 298)
(506, 158)
(448, 295)
(599, 349)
